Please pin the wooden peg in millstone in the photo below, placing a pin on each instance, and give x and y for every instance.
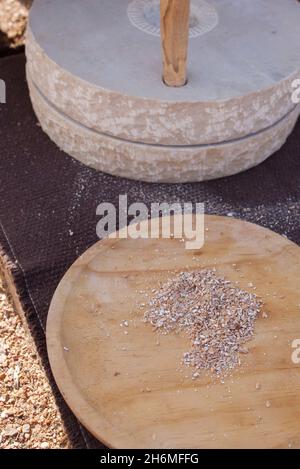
(175, 21)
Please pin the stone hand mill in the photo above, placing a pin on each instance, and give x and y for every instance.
(221, 103)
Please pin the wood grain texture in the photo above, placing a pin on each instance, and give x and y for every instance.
(175, 20)
(131, 391)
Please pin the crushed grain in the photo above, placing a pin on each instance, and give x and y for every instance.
(217, 316)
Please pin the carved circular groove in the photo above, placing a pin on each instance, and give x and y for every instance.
(145, 15)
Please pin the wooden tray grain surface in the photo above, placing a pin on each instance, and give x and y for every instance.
(127, 385)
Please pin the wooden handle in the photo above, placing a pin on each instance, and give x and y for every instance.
(175, 21)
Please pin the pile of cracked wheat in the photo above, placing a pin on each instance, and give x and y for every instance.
(217, 316)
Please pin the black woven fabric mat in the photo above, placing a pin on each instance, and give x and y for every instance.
(48, 207)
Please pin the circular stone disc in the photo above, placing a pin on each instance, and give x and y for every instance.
(251, 46)
(131, 390)
(100, 64)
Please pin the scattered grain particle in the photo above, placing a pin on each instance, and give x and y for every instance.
(10, 431)
(268, 404)
(26, 428)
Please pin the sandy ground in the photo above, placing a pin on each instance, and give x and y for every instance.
(29, 417)
(13, 17)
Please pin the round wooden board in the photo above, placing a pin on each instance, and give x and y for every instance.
(131, 390)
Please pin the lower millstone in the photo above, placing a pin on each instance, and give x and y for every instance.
(158, 163)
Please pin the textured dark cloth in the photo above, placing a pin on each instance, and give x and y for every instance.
(48, 206)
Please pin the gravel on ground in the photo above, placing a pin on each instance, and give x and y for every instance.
(13, 19)
(29, 418)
